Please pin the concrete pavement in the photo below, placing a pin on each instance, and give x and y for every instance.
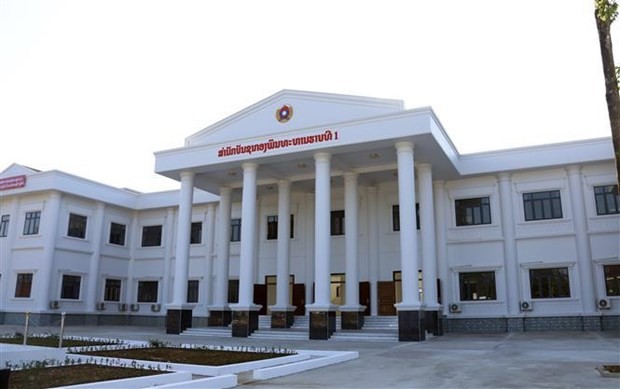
(511, 360)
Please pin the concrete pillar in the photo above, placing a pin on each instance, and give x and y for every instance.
(41, 286)
(309, 247)
(209, 235)
(168, 252)
(511, 265)
(373, 248)
(439, 192)
(219, 315)
(95, 258)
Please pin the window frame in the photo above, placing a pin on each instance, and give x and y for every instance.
(144, 234)
(195, 234)
(105, 289)
(139, 290)
(124, 234)
(461, 275)
(190, 283)
(272, 227)
(613, 278)
(19, 287)
(5, 221)
(77, 225)
(32, 223)
(537, 206)
(396, 217)
(462, 204)
(337, 223)
(235, 230)
(67, 290)
(569, 285)
(604, 196)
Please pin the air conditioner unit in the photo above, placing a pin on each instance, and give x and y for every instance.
(155, 307)
(54, 304)
(525, 305)
(604, 303)
(135, 307)
(100, 306)
(455, 308)
(122, 307)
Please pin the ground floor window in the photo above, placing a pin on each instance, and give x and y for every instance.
(477, 286)
(147, 291)
(112, 290)
(612, 279)
(235, 230)
(192, 291)
(549, 283)
(23, 285)
(70, 288)
(233, 291)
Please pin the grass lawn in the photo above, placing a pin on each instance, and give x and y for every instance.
(52, 341)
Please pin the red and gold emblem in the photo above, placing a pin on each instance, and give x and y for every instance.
(284, 113)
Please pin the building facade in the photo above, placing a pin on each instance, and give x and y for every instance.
(322, 205)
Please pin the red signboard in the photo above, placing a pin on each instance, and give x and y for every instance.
(12, 182)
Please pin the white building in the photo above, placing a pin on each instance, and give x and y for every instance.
(383, 217)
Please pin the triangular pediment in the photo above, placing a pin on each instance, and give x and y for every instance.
(16, 169)
(290, 110)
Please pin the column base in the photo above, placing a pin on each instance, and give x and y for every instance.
(244, 323)
(322, 324)
(433, 322)
(178, 320)
(351, 320)
(411, 327)
(282, 319)
(219, 318)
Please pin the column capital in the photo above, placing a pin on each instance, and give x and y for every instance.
(187, 174)
(283, 183)
(573, 169)
(404, 146)
(504, 176)
(249, 166)
(350, 175)
(225, 190)
(424, 167)
(322, 156)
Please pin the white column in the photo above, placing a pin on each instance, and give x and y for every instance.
(511, 265)
(373, 248)
(322, 233)
(6, 248)
(408, 234)
(95, 257)
(441, 246)
(168, 251)
(309, 244)
(427, 231)
(351, 245)
(209, 234)
(184, 223)
(248, 237)
(220, 298)
(284, 232)
(134, 241)
(584, 253)
(49, 230)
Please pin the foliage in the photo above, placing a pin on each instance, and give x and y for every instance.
(606, 10)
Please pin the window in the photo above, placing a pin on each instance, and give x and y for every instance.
(477, 286)
(337, 223)
(471, 212)
(195, 236)
(612, 279)
(112, 291)
(272, 227)
(396, 217)
(192, 291)
(31, 223)
(4, 226)
(151, 236)
(147, 291)
(607, 200)
(542, 205)
(549, 283)
(235, 230)
(77, 226)
(70, 288)
(23, 286)
(117, 234)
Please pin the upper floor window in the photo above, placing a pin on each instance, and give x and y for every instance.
(612, 279)
(272, 227)
(337, 222)
(151, 236)
(195, 236)
(542, 205)
(235, 230)
(112, 290)
(471, 212)
(477, 286)
(70, 288)
(396, 217)
(77, 226)
(31, 223)
(549, 283)
(4, 225)
(23, 285)
(607, 200)
(117, 234)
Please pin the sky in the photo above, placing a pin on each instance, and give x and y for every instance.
(94, 88)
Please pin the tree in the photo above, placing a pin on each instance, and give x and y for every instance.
(605, 13)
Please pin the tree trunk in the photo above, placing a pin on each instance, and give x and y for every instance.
(611, 86)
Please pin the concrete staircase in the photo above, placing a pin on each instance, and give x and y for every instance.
(375, 329)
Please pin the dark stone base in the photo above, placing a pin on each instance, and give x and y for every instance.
(351, 320)
(219, 318)
(244, 323)
(322, 324)
(178, 320)
(411, 327)
(282, 319)
(433, 322)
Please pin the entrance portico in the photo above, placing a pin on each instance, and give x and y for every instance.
(335, 167)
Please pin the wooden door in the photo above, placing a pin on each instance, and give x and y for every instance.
(299, 299)
(387, 298)
(365, 296)
(260, 297)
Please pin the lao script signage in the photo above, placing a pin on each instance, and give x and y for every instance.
(12, 182)
(271, 144)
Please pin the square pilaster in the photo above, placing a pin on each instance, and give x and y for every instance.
(352, 320)
(282, 318)
(244, 323)
(411, 326)
(322, 324)
(178, 320)
(219, 318)
(433, 322)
